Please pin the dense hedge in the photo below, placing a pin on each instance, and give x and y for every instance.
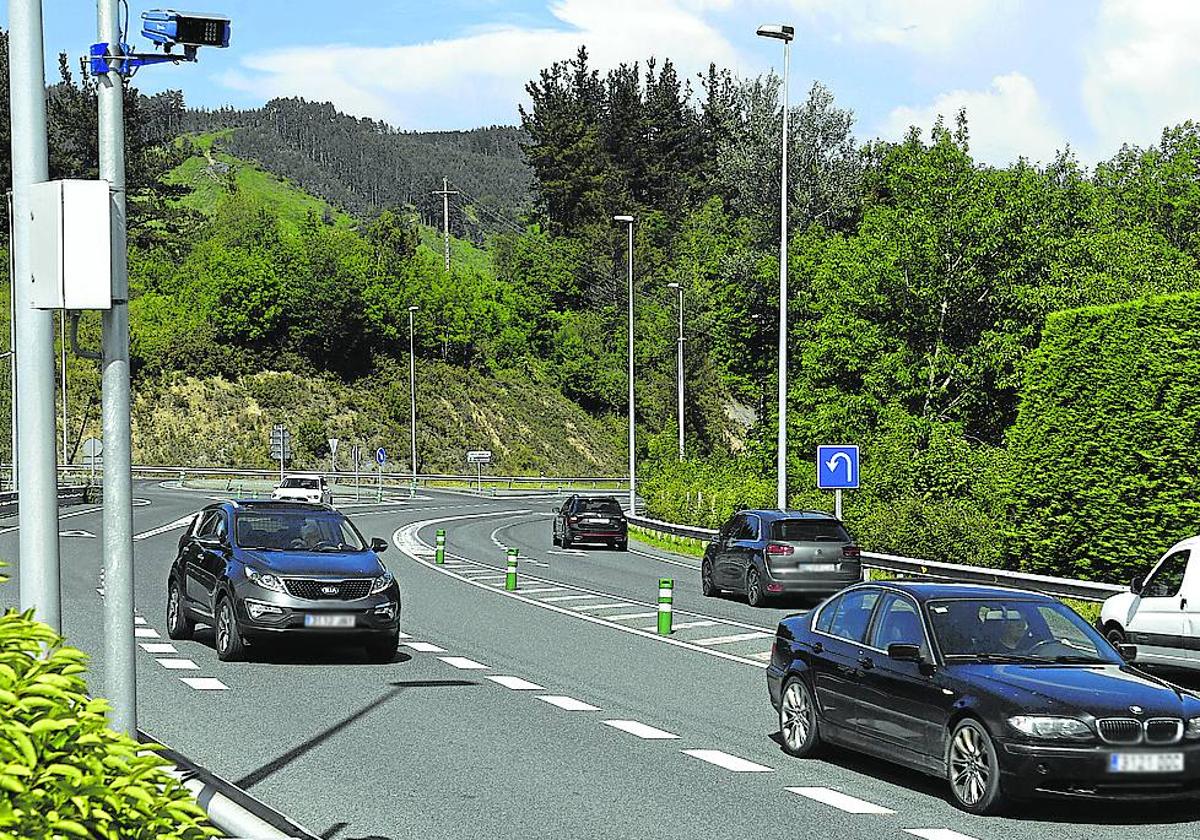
(1106, 446)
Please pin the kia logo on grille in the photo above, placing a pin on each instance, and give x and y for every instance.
(329, 590)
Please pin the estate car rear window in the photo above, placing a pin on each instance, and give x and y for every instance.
(606, 506)
(808, 530)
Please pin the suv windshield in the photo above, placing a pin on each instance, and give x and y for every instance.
(301, 484)
(808, 530)
(1015, 630)
(279, 530)
(609, 506)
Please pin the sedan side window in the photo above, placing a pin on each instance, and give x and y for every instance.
(899, 623)
(1167, 579)
(825, 619)
(853, 615)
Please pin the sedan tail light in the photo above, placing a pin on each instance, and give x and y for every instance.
(851, 551)
(777, 550)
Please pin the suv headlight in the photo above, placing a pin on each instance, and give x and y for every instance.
(1192, 730)
(266, 580)
(382, 582)
(1050, 727)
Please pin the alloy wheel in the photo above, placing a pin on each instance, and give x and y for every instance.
(223, 628)
(173, 607)
(795, 717)
(970, 766)
(754, 594)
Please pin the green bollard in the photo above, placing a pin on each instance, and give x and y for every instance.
(510, 577)
(666, 588)
(440, 552)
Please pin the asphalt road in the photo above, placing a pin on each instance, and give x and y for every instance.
(551, 712)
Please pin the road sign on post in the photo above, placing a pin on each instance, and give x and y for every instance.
(380, 459)
(333, 442)
(479, 457)
(281, 446)
(837, 470)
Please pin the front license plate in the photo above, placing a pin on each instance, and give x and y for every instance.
(1145, 763)
(328, 621)
(821, 567)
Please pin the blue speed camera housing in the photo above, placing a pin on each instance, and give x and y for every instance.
(166, 29)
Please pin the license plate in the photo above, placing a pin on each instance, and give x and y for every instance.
(596, 521)
(820, 567)
(1145, 763)
(328, 621)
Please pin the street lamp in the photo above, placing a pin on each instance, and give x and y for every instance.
(632, 454)
(784, 33)
(679, 359)
(412, 394)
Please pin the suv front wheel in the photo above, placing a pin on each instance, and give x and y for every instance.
(230, 645)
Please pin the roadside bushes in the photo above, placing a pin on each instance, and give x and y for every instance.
(63, 772)
(1107, 440)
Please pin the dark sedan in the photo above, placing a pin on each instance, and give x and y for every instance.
(256, 569)
(1006, 694)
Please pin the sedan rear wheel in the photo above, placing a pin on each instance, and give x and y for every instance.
(754, 591)
(973, 769)
(798, 719)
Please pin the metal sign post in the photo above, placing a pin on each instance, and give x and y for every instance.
(91, 448)
(356, 456)
(837, 470)
(380, 459)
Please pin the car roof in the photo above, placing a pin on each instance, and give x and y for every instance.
(924, 590)
(274, 505)
(769, 513)
(594, 498)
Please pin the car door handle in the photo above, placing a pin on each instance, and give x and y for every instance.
(865, 662)
(1183, 603)
(818, 647)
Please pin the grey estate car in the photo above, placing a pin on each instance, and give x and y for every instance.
(761, 553)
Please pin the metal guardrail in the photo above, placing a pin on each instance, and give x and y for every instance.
(1059, 587)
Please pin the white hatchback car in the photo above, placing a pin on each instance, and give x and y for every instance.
(1161, 611)
(305, 487)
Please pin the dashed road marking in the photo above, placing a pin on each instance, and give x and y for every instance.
(631, 616)
(424, 647)
(178, 664)
(729, 762)
(162, 529)
(568, 703)
(765, 655)
(641, 730)
(725, 640)
(137, 619)
(157, 647)
(462, 663)
(145, 633)
(204, 683)
(614, 605)
(839, 800)
(544, 589)
(937, 834)
(516, 683)
(557, 598)
(687, 625)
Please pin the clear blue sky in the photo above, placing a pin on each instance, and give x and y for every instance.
(1033, 75)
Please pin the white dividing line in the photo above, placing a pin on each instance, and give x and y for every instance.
(464, 664)
(145, 633)
(491, 578)
(686, 625)
(568, 703)
(403, 636)
(937, 834)
(725, 640)
(614, 605)
(137, 619)
(839, 800)
(765, 656)
(516, 683)
(729, 762)
(204, 683)
(157, 647)
(695, 567)
(641, 730)
(178, 664)
(631, 616)
(162, 529)
(424, 647)
(544, 589)
(569, 552)
(557, 598)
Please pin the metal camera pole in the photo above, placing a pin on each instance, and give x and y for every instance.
(37, 481)
(120, 675)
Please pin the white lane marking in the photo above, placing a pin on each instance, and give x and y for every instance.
(765, 656)
(568, 703)
(403, 636)
(516, 683)
(77, 532)
(569, 552)
(725, 640)
(614, 604)
(729, 762)
(641, 730)
(145, 633)
(157, 647)
(491, 577)
(476, 571)
(162, 529)
(178, 664)
(557, 598)
(839, 800)
(204, 683)
(686, 625)
(695, 567)
(631, 616)
(464, 664)
(937, 834)
(61, 516)
(424, 647)
(544, 589)
(137, 619)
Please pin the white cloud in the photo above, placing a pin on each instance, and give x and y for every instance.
(926, 26)
(1006, 121)
(1142, 71)
(483, 72)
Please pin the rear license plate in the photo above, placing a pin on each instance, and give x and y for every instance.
(596, 521)
(329, 620)
(820, 567)
(1145, 763)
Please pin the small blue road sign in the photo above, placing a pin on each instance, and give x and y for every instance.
(381, 456)
(837, 467)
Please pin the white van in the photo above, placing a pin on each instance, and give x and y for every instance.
(1161, 611)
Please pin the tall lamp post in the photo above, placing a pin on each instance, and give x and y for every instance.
(679, 363)
(784, 33)
(412, 394)
(628, 220)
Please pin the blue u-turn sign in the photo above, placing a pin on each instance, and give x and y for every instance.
(381, 456)
(837, 467)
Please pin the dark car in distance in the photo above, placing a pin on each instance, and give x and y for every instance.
(591, 519)
(256, 569)
(1005, 694)
(761, 553)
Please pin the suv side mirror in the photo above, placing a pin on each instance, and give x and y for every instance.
(1135, 585)
(378, 545)
(901, 652)
(1128, 652)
